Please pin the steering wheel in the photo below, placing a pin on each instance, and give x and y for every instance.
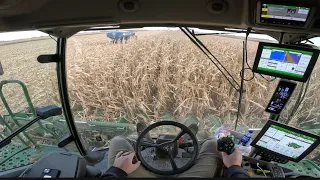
(167, 148)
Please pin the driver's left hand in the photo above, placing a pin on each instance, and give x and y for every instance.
(126, 161)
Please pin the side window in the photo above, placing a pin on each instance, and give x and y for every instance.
(25, 85)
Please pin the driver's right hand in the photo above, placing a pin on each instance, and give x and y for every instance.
(234, 159)
(126, 161)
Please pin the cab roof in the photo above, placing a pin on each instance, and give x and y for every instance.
(65, 18)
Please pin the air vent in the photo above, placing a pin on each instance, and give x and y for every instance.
(217, 6)
(128, 5)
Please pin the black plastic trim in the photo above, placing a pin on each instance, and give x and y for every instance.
(63, 92)
(48, 58)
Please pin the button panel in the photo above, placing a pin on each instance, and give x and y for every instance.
(270, 157)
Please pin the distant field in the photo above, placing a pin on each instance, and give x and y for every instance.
(157, 73)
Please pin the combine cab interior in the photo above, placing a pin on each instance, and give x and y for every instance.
(69, 133)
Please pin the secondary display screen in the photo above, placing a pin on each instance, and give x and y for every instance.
(280, 97)
(284, 61)
(293, 62)
(284, 12)
(285, 141)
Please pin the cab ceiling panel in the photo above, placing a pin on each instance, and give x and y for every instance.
(60, 13)
(63, 18)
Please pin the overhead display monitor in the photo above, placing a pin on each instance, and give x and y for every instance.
(285, 61)
(273, 12)
(284, 12)
(285, 141)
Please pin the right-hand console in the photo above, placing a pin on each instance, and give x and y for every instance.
(278, 143)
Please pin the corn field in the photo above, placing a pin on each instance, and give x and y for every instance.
(163, 72)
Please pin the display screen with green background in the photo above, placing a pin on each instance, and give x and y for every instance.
(284, 55)
(284, 12)
(280, 72)
(293, 133)
(285, 6)
(285, 141)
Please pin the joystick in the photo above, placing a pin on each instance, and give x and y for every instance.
(225, 144)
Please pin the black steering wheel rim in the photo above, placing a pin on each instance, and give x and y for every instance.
(175, 169)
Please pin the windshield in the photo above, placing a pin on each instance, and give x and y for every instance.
(117, 78)
(153, 74)
(25, 86)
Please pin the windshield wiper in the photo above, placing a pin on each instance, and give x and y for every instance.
(42, 113)
(238, 87)
(206, 51)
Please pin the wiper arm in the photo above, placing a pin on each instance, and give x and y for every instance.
(7, 140)
(42, 113)
(206, 51)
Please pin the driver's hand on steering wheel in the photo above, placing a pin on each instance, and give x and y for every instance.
(233, 159)
(126, 161)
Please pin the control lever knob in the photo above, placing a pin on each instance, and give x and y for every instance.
(225, 144)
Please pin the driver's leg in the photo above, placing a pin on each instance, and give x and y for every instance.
(121, 144)
(209, 162)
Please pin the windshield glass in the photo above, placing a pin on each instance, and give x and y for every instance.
(27, 85)
(117, 78)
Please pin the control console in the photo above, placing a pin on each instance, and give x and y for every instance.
(265, 156)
